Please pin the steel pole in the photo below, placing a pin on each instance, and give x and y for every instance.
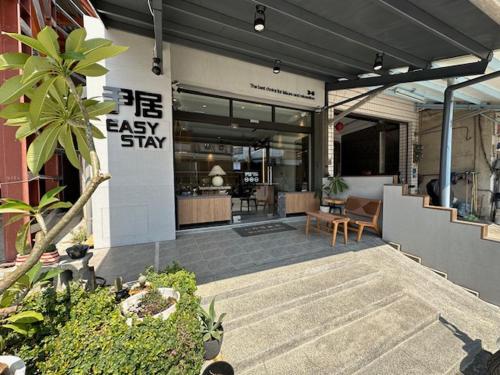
(446, 141)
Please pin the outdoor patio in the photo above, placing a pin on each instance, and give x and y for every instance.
(221, 253)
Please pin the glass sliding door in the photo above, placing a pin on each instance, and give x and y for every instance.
(254, 157)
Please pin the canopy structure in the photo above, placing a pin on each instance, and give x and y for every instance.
(336, 41)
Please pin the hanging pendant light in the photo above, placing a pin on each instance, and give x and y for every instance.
(259, 23)
(379, 61)
(277, 66)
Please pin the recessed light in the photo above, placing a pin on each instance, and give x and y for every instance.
(204, 106)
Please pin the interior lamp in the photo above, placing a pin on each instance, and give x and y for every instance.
(216, 173)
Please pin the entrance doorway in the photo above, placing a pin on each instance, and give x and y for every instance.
(251, 160)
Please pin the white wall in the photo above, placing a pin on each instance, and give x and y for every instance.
(452, 247)
(371, 187)
(137, 204)
(225, 75)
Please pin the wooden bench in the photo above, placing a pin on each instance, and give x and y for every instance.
(363, 213)
(334, 220)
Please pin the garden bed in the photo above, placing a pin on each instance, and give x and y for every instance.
(85, 333)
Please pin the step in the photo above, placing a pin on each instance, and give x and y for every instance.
(259, 303)
(438, 349)
(233, 289)
(354, 345)
(281, 332)
(237, 284)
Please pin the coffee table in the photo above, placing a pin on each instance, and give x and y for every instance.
(334, 220)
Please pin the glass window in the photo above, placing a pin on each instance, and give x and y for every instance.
(292, 116)
(209, 105)
(252, 111)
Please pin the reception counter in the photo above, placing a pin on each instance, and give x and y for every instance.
(203, 209)
(297, 202)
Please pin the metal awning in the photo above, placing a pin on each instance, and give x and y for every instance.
(334, 40)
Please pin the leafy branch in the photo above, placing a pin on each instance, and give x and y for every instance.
(56, 114)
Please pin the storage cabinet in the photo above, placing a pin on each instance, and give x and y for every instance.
(203, 209)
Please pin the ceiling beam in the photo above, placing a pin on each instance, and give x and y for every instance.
(434, 25)
(461, 70)
(441, 87)
(481, 87)
(188, 32)
(313, 20)
(271, 36)
(142, 29)
(124, 18)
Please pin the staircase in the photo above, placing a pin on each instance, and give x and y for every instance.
(336, 315)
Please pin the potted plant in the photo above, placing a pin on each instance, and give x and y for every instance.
(334, 186)
(155, 302)
(50, 255)
(22, 211)
(79, 248)
(212, 331)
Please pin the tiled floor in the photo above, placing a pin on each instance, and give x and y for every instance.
(220, 254)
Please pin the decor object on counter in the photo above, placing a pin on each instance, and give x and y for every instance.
(212, 330)
(79, 248)
(219, 368)
(216, 173)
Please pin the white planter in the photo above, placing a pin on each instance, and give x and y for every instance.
(325, 209)
(134, 300)
(16, 364)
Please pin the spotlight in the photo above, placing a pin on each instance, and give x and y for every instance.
(277, 66)
(379, 61)
(156, 69)
(259, 23)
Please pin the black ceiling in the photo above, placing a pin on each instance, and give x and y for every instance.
(326, 39)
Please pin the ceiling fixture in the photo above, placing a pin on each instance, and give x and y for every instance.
(277, 66)
(259, 23)
(379, 61)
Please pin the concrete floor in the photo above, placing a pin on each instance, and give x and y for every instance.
(220, 254)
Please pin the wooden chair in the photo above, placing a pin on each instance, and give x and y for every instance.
(363, 213)
(264, 196)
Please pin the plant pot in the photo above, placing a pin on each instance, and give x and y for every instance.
(16, 364)
(219, 368)
(494, 364)
(134, 300)
(212, 348)
(77, 251)
(20, 259)
(50, 258)
(325, 209)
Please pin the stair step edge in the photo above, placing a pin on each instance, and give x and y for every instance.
(313, 333)
(425, 321)
(273, 281)
(289, 304)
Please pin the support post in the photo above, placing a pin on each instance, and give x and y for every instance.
(446, 141)
(446, 136)
(157, 9)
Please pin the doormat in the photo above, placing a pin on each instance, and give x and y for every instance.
(256, 230)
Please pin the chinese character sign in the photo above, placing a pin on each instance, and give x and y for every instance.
(136, 132)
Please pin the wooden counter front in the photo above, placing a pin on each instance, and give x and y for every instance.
(203, 209)
(297, 202)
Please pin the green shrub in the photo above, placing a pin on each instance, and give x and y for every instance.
(86, 334)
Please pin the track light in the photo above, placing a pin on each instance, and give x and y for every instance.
(379, 61)
(259, 23)
(277, 66)
(156, 69)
